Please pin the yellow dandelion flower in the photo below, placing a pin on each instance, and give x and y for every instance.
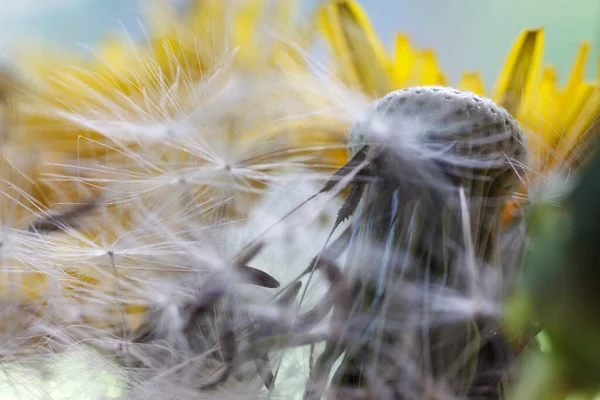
(209, 68)
(559, 121)
(201, 118)
(361, 58)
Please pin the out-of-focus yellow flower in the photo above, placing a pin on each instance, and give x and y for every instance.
(559, 121)
(361, 58)
(212, 109)
(130, 94)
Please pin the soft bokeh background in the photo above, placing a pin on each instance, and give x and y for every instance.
(467, 34)
(476, 35)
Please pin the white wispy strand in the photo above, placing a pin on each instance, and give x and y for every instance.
(173, 159)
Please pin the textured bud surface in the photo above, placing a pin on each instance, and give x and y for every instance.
(467, 133)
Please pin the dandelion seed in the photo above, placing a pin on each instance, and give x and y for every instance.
(438, 143)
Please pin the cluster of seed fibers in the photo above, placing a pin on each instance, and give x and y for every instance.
(120, 212)
(143, 269)
(425, 258)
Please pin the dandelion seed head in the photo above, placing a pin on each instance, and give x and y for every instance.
(463, 134)
(425, 253)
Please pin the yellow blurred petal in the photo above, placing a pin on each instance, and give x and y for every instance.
(266, 34)
(22, 285)
(287, 58)
(577, 75)
(206, 35)
(541, 117)
(441, 79)
(431, 72)
(362, 57)
(516, 83)
(573, 87)
(582, 113)
(292, 47)
(578, 101)
(471, 82)
(159, 16)
(246, 21)
(196, 37)
(172, 41)
(425, 69)
(403, 59)
(282, 13)
(10, 90)
(113, 52)
(118, 55)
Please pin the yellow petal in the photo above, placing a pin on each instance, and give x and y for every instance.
(173, 39)
(287, 58)
(541, 118)
(291, 56)
(577, 75)
(578, 100)
(10, 90)
(471, 82)
(285, 46)
(207, 25)
(246, 22)
(403, 59)
(442, 79)
(282, 14)
(425, 69)
(160, 17)
(362, 58)
(516, 83)
(583, 113)
(574, 82)
(25, 285)
(118, 56)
